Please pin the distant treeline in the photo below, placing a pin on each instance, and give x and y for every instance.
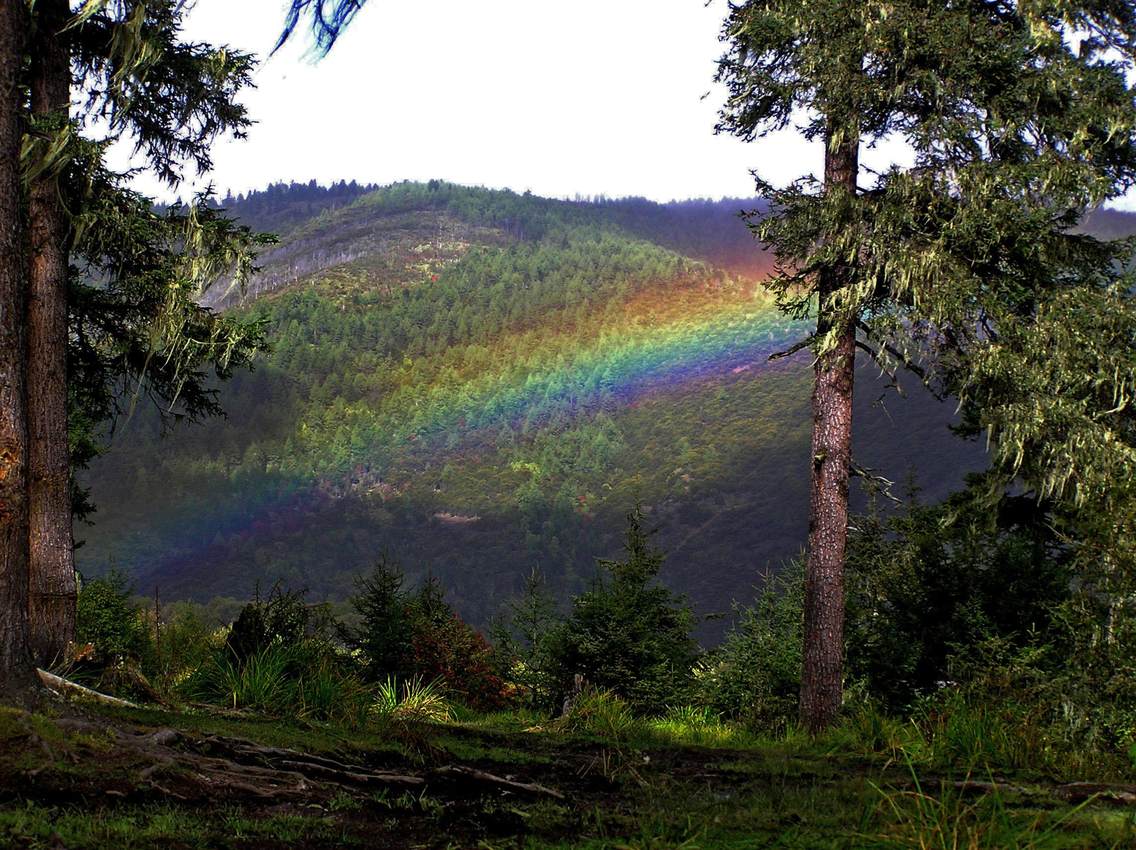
(700, 228)
(281, 206)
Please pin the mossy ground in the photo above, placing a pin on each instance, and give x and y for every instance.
(66, 782)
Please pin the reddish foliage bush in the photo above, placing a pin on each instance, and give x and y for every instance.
(452, 651)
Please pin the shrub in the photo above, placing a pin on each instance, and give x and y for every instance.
(933, 581)
(304, 680)
(262, 681)
(183, 642)
(106, 618)
(407, 635)
(868, 728)
(967, 616)
(628, 634)
(1068, 705)
(276, 658)
(446, 648)
(977, 733)
(755, 675)
(328, 690)
(524, 643)
(1086, 672)
(281, 619)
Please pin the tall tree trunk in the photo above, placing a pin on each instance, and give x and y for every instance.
(51, 583)
(14, 660)
(822, 672)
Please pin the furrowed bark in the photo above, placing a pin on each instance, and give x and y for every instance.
(15, 663)
(822, 669)
(51, 584)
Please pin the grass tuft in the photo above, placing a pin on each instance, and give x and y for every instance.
(417, 701)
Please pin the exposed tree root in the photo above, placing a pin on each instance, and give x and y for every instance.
(1069, 792)
(473, 778)
(1078, 792)
(193, 768)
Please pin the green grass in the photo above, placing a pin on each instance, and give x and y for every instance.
(943, 818)
(414, 701)
(295, 733)
(128, 827)
(684, 780)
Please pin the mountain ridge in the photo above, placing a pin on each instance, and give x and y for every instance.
(478, 383)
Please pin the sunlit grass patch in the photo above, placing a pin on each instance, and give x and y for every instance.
(503, 721)
(698, 726)
(598, 713)
(416, 701)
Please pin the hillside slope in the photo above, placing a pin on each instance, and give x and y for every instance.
(478, 383)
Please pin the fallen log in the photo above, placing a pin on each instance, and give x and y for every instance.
(68, 688)
(1078, 792)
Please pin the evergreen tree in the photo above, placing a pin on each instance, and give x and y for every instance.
(14, 656)
(1021, 120)
(51, 567)
(628, 633)
(383, 634)
(172, 99)
(327, 19)
(1056, 394)
(524, 640)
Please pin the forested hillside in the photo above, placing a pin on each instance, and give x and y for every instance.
(478, 383)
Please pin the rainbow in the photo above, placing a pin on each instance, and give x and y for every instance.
(659, 341)
(663, 340)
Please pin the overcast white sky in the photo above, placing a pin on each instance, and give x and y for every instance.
(590, 97)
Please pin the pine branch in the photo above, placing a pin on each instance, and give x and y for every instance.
(793, 349)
